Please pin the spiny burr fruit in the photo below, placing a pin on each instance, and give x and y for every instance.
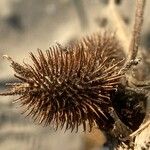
(73, 85)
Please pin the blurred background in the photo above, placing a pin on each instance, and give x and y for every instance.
(26, 25)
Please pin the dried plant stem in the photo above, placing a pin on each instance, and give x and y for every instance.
(135, 39)
(120, 25)
(83, 18)
(143, 126)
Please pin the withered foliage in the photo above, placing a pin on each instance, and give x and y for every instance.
(73, 85)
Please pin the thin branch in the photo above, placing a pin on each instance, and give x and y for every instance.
(135, 39)
(140, 129)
